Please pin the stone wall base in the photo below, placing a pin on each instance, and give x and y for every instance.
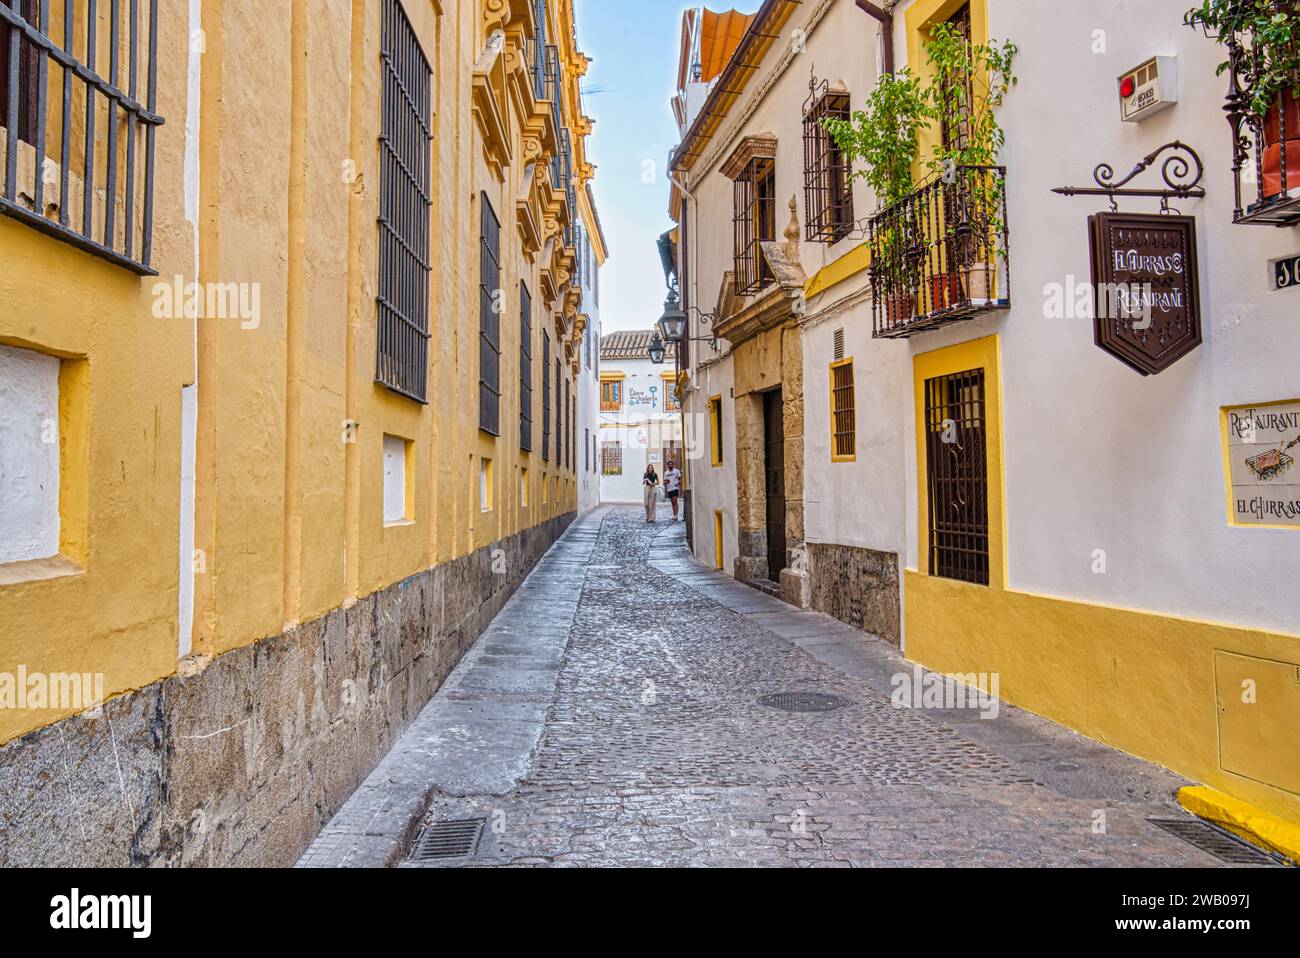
(243, 763)
(857, 586)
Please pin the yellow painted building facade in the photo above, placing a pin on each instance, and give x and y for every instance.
(222, 481)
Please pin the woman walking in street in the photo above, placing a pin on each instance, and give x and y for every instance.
(650, 489)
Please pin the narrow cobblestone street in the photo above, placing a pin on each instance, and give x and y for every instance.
(611, 717)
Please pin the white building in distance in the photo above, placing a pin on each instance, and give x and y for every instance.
(640, 419)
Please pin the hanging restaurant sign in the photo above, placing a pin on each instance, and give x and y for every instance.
(1148, 296)
(1148, 300)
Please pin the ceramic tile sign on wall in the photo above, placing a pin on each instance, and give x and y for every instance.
(1263, 454)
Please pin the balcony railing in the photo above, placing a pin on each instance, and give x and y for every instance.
(1266, 149)
(940, 255)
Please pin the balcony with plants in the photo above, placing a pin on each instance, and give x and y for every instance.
(939, 247)
(1261, 40)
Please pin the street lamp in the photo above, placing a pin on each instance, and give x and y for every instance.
(672, 328)
(657, 350)
(672, 324)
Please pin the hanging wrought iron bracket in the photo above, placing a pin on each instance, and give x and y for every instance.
(1182, 172)
(704, 319)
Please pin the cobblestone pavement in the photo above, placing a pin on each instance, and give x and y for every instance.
(644, 742)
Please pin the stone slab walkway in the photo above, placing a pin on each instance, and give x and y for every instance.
(610, 716)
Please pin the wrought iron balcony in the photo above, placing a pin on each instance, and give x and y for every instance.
(1270, 164)
(940, 254)
(1266, 149)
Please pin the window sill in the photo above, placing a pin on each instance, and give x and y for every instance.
(38, 570)
(399, 523)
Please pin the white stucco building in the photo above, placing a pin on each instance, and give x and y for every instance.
(591, 257)
(951, 450)
(640, 420)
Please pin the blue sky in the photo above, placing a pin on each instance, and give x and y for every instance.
(626, 92)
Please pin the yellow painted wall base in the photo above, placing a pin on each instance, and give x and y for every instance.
(1140, 682)
(1256, 826)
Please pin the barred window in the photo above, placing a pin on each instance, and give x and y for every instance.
(404, 204)
(559, 415)
(540, 51)
(53, 96)
(611, 459)
(489, 322)
(525, 368)
(844, 423)
(586, 450)
(715, 430)
(957, 477)
(567, 451)
(957, 95)
(754, 223)
(546, 397)
(828, 192)
(573, 432)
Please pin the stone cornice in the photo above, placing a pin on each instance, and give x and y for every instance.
(779, 304)
(761, 145)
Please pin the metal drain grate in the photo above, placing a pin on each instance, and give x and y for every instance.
(803, 702)
(448, 840)
(1216, 841)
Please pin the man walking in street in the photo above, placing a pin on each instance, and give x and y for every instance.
(673, 485)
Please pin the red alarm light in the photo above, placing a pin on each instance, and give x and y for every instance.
(1127, 86)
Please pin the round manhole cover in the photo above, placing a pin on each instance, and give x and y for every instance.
(803, 702)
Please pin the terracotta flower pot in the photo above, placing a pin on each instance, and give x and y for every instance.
(979, 280)
(899, 309)
(1285, 114)
(1287, 108)
(945, 291)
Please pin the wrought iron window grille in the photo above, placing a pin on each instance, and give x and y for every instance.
(754, 223)
(844, 420)
(404, 205)
(957, 100)
(546, 397)
(38, 58)
(957, 477)
(828, 188)
(559, 415)
(539, 47)
(489, 384)
(525, 368)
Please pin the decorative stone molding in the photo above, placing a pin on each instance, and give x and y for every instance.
(759, 146)
(778, 304)
(792, 235)
(496, 14)
(488, 88)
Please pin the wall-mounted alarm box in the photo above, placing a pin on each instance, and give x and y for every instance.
(1146, 90)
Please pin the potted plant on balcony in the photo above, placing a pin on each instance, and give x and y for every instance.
(1267, 32)
(883, 138)
(968, 84)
